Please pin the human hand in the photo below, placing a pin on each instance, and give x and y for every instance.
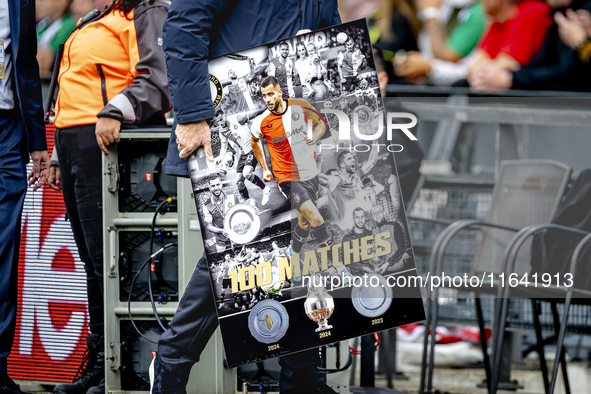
(315, 138)
(585, 18)
(570, 28)
(190, 136)
(489, 76)
(107, 132)
(267, 175)
(414, 65)
(40, 171)
(54, 180)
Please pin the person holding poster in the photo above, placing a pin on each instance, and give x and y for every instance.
(195, 31)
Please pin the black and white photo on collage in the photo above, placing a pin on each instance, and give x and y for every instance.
(250, 226)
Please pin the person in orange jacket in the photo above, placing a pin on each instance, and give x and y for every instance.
(112, 72)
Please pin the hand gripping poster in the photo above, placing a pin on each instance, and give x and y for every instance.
(301, 211)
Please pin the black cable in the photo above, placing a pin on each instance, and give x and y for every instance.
(326, 370)
(133, 282)
(152, 228)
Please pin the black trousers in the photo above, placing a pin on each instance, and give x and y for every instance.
(80, 169)
(13, 186)
(195, 322)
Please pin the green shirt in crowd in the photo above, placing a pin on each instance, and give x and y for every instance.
(467, 33)
(51, 35)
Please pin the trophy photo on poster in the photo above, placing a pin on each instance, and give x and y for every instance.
(319, 305)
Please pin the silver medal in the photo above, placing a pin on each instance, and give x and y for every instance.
(372, 301)
(268, 321)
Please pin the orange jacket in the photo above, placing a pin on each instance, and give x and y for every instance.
(114, 67)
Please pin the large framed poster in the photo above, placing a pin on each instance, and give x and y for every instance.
(301, 212)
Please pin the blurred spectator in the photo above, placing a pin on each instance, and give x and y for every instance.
(351, 10)
(381, 70)
(101, 4)
(395, 26)
(446, 49)
(557, 65)
(53, 27)
(515, 36)
(462, 39)
(79, 8)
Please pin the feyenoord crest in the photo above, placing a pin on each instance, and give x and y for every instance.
(296, 198)
(218, 92)
(268, 321)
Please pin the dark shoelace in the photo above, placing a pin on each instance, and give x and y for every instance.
(83, 364)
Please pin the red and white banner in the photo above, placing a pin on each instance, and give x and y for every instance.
(52, 320)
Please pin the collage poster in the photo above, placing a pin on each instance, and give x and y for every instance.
(301, 212)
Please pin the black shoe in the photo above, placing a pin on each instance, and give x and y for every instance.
(100, 389)
(91, 371)
(7, 385)
(163, 381)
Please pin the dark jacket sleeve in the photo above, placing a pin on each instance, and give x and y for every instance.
(186, 44)
(556, 67)
(149, 94)
(33, 110)
(547, 75)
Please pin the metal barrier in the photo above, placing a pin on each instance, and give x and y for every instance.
(448, 199)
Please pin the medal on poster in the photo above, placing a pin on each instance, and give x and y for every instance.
(268, 321)
(372, 301)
